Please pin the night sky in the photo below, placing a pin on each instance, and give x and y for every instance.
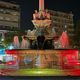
(28, 7)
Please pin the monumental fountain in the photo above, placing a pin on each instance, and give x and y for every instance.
(46, 54)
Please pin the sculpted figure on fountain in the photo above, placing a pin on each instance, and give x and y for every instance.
(36, 15)
(41, 15)
(46, 14)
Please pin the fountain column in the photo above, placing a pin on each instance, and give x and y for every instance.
(41, 22)
(41, 5)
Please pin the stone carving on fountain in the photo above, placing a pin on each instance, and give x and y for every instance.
(41, 19)
(42, 22)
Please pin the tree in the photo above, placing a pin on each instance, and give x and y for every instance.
(8, 38)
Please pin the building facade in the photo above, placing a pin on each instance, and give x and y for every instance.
(77, 34)
(9, 15)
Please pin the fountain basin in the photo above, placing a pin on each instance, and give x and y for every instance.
(41, 23)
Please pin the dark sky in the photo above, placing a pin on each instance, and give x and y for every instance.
(28, 6)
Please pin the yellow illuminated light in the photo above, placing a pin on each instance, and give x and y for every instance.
(39, 72)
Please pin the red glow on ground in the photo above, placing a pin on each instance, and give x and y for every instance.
(73, 72)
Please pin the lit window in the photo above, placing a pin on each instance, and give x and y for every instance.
(1, 10)
(14, 13)
(7, 18)
(4, 11)
(7, 11)
(1, 17)
(15, 19)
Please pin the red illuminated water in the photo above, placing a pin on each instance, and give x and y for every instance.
(64, 40)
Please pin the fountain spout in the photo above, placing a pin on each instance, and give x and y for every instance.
(16, 43)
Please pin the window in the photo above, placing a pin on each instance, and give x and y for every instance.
(1, 10)
(7, 11)
(15, 20)
(14, 13)
(1, 17)
(7, 18)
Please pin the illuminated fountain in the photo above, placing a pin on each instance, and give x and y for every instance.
(43, 58)
(41, 21)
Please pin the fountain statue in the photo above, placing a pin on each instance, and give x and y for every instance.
(36, 15)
